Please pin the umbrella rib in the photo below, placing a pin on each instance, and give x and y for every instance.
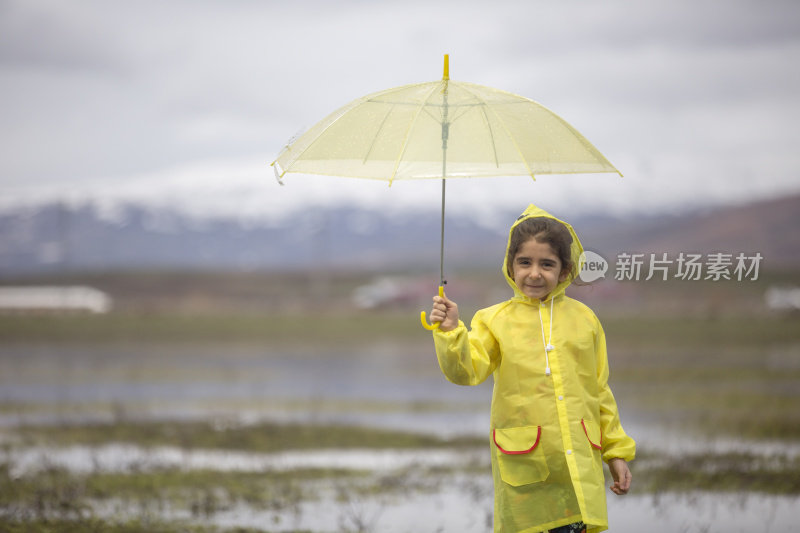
(502, 123)
(463, 111)
(408, 133)
(427, 112)
(377, 133)
(491, 136)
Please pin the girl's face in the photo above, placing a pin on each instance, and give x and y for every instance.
(537, 269)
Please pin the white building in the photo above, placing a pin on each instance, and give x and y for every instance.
(54, 298)
(783, 298)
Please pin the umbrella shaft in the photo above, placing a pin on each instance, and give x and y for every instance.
(445, 137)
(441, 247)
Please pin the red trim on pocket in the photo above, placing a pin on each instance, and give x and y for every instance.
(529, 450)
(596, 446)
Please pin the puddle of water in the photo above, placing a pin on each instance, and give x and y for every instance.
(55, 384)
(251, 386)
(122, 458)
(451, 502)
(458, 504)
(462, 505)
(703, 512)
(454, 509)
(674, 442)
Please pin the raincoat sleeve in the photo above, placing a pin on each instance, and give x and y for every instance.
(467, 357)
(616, 443)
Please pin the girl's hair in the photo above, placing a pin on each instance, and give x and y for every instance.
(544, 230)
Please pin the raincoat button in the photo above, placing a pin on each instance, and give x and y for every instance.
(560, 397)
(569, 452)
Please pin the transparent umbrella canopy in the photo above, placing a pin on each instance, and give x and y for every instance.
(441, 130)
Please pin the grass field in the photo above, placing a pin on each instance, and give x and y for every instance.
(705, 364)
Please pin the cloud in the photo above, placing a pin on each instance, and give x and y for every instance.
(113, 98)
(45, 35)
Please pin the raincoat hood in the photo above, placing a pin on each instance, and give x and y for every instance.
(576, 253)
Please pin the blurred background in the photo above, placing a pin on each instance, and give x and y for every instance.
(186, 344)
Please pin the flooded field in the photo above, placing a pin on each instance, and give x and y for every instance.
(236, 429)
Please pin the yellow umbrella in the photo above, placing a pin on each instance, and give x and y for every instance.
(443, 129)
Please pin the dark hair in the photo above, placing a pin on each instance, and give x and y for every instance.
(544, 230)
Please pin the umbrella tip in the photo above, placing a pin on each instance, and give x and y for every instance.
(446, 75)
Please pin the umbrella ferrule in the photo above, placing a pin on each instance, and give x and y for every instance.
(278, 176)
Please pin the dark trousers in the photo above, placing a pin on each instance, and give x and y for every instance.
(577, 527)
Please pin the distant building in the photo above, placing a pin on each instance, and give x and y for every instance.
(783, 298)
(389, 291)
(54, 299)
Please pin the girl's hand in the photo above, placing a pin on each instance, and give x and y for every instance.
(622, 476)
(444, 311)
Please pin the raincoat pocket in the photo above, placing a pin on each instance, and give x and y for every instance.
(520, 460)
(593, 433)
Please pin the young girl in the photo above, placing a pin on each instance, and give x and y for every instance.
(553, 417)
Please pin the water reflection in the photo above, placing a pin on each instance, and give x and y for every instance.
(377, 386)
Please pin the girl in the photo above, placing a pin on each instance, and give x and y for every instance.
(553, 417)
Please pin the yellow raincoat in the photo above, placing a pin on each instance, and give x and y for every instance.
(548, 433)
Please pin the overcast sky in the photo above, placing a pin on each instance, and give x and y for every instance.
(186, 103)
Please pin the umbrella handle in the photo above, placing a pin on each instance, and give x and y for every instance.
(424, 319)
